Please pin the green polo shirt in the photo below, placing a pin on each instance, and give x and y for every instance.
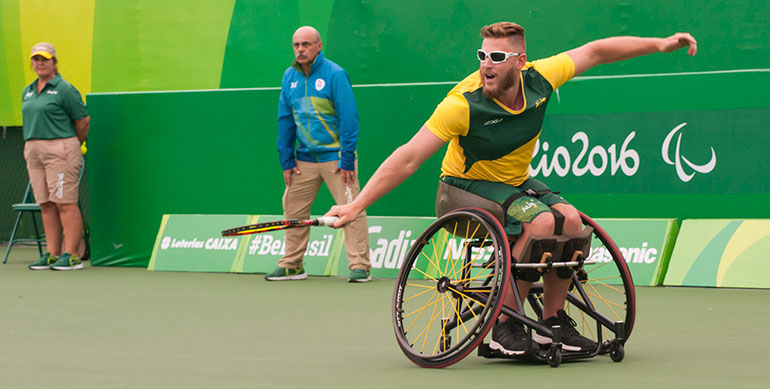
(51, 114)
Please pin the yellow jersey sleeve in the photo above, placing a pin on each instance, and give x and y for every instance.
(557, 69)
(452, 116)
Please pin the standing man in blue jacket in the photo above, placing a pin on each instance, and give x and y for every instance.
(317, 136)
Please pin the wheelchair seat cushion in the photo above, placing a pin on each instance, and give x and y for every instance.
(456, 192)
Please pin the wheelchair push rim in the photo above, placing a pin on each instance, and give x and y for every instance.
(449, 290)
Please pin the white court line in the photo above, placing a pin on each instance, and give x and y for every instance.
(578, 78)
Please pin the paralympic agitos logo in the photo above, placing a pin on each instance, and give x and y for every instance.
(665, 152)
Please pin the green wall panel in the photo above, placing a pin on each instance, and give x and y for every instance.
(259, 41)
(141, 45)
(258, 52)
(213, 152)
(159, 45)
(12, 64)
(407, 41)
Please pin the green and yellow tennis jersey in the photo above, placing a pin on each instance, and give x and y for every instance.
(488, 141)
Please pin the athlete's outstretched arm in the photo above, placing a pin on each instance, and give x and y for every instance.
(399, 166)
(620, 48)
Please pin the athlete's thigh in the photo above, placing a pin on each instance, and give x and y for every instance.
(524, 209)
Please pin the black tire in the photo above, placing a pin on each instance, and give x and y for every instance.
(444, 306)
(554, 356)
(602, 292)
(617, 352)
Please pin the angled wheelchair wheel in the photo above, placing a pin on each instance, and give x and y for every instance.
(602, 293)
(450, 289)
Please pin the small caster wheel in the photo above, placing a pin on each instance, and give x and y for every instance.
(617, 353)
(554, 357)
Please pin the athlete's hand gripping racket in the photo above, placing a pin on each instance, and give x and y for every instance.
(279, 225)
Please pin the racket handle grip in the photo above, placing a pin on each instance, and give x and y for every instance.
(327, 220)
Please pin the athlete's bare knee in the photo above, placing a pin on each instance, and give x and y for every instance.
(542, 224)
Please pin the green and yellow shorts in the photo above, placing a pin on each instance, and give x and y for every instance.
(524, 209)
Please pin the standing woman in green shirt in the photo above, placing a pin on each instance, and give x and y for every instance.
(55, 121)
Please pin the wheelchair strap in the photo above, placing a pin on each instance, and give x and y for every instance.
(558, 225)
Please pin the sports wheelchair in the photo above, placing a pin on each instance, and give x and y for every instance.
(452, 283)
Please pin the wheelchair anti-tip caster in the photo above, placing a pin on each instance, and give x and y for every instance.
(554, 356)
(617, 352)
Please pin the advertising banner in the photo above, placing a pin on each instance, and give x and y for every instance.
(195, 243)
(390, 238)
(674, 153)
(721, 253)
(646, 245)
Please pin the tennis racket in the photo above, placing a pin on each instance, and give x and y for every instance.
(279, 225)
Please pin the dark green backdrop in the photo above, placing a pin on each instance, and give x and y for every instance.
(214, 152)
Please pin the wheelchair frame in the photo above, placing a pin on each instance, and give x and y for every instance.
(449, 293)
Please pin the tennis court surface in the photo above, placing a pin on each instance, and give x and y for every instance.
(108, 327)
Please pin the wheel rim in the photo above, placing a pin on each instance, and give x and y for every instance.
(602, 292)
(446, 296)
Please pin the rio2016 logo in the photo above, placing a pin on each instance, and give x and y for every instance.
(597, 160)
(665, 152)
(594, 161)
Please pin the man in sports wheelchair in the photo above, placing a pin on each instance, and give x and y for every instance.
(492, 120)
(545, 227)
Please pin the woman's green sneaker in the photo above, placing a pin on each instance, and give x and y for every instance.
(359, 275)
(44, 263)
(67, 262)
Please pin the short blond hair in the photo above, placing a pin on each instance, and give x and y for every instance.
(509, 30)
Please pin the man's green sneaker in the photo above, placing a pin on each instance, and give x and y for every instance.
(44, 263)
(284, 274)
(359, 275)
(67, 262)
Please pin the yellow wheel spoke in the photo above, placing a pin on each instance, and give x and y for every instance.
(443, 329)
(430, 286)
(419, 294)
(480, 273)
(426, 331)
(470, 263)
(419, 312)
(617, 277)
(468, 297)
(606, 302)
(608, 286)
(470, 309)
(597, 267)
(428, 276)
(430, 261)
(446, 266)
(460, 319)
(451, 260)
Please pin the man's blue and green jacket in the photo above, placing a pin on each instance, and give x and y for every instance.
(319, 113)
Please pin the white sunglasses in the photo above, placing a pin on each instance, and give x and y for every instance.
(495, 56)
